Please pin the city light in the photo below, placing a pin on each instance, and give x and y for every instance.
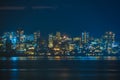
(59, 44)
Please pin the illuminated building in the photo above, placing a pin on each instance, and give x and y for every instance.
(36, 36)
(85, 37)
(66, 38)
(109, 38)
(21, 47)
(58, 36)
(59, 44)
(71, 47)
(13, 38)
(20, 35)
(50, 43)
(1, 44)
(30, 50)
(57, 41)
(57, 49)
(78, 41)
(30, 38)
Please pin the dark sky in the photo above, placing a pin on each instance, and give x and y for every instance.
(69, 16)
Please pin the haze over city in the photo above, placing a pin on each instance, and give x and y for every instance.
(67, 16)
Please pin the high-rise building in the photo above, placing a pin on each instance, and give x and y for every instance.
(13, 39)
(77, 40)
(58, 36)
(20, 35)
(71, 47)
(50, 43)
(109, 38)
(85, 37)
(36, 36)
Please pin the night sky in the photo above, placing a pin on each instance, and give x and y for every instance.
(67, 16)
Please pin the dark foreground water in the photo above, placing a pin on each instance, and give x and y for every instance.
(60, 68)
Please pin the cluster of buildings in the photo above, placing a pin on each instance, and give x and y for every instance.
(58, 44)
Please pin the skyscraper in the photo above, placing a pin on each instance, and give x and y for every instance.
(58, 36)
(109, 38)
(85, 37)
(36, 36)
(20, 35)
(50, 43)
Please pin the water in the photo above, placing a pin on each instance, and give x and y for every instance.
(59, 68)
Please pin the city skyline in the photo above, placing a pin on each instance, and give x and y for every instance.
(59, 44)
(83, 24)
(59, 39)
(69, 34)
(45, 34)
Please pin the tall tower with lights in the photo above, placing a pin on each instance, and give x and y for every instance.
(50, 41)
(85, 37)
(36, 36)
(20, 35)
(58, 36)
(109, 39)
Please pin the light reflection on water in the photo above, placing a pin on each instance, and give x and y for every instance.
(59, 68)
(61, 58)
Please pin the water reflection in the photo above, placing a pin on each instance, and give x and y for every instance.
(111, 58)
(14, 58)
(61, 58)
(59, 68)
(14, 74)
(14, 68)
